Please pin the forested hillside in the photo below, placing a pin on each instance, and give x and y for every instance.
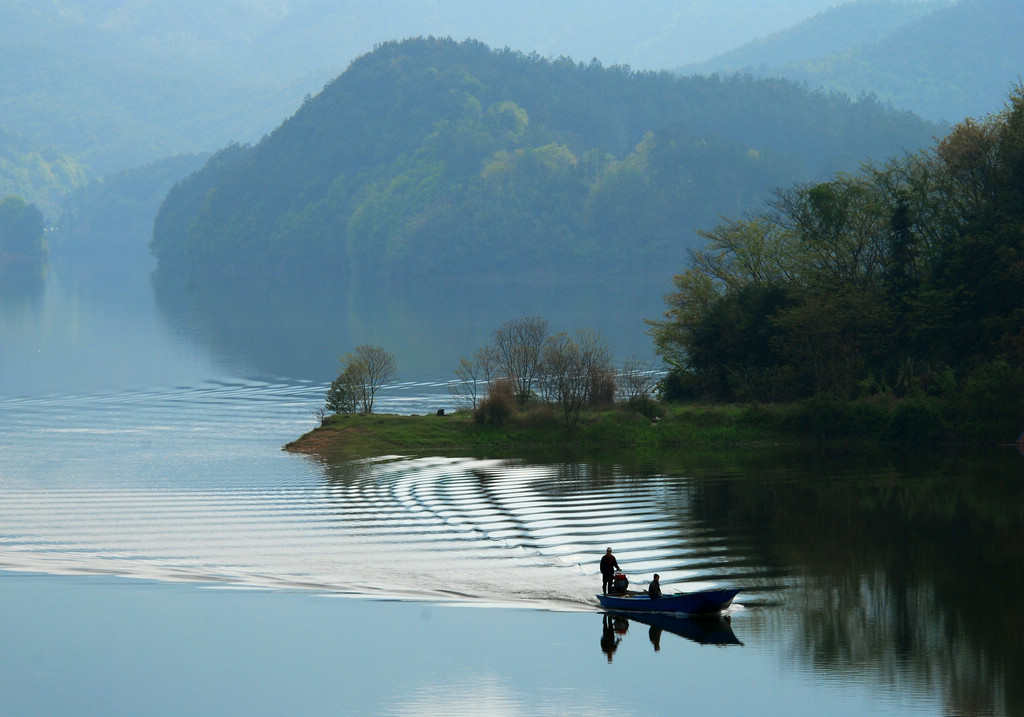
(942, 60)
(905, 279)
(431, 158)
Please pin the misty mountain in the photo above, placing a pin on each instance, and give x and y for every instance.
(101, 90)
(837, 30)
(430, 157)
(124, 82)
(106, 218)
(943, 60)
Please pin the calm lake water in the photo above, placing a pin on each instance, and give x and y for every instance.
(160, 553)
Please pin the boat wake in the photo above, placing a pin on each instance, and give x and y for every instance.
(212, 499)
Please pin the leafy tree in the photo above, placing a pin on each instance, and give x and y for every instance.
(363, 372)
(346, 391)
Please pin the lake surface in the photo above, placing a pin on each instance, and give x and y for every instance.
(160, 553)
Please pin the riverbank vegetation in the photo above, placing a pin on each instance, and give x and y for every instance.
(645, 427)
(901, 285)
(882, 307)
(537, 428)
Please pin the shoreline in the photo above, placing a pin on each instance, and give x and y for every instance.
(652, 427)
(537, 430)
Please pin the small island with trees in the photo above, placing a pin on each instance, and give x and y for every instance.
(885, 306)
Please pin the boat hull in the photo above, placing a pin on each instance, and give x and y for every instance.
(702, 602)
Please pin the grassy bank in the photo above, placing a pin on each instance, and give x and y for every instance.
(654, 427)
(537, 430)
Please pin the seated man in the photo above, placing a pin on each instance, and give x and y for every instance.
(654, 589)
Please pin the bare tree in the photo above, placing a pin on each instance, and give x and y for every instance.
(574, 369)
(637, 379)
(597, 364)
(379, 366)
(564, 378)
(487, 359)
(474, 376)
(466, 388)
(517, 344)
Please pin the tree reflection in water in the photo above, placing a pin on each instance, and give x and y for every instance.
(900, 571)
(907, 568)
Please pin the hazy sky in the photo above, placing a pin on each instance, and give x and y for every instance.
(650, 34)
(645, 34)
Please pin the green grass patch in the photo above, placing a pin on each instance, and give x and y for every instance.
(534, 430)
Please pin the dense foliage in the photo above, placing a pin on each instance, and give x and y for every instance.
(120, 83)
(905, 279)
(430, 156)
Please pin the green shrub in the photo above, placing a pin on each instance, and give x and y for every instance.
(821, 417)
(916, 420)
(538, 415)
(679, 385)
(991, 405)
(645, 406)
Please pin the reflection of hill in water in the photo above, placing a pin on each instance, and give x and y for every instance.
(300, 329)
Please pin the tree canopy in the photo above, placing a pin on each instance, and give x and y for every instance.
(906, 277)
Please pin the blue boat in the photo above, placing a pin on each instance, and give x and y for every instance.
(702, 602)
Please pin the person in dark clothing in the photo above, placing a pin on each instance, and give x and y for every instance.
(654, 589)
(608, 567)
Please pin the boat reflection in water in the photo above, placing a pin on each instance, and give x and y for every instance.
(702, 629)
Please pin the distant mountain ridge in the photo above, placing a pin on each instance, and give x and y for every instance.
(121, 83)
(943, 60)
(834, 31)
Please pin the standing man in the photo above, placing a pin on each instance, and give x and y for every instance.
(608, 567)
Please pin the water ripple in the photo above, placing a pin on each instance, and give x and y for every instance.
(191, 484)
